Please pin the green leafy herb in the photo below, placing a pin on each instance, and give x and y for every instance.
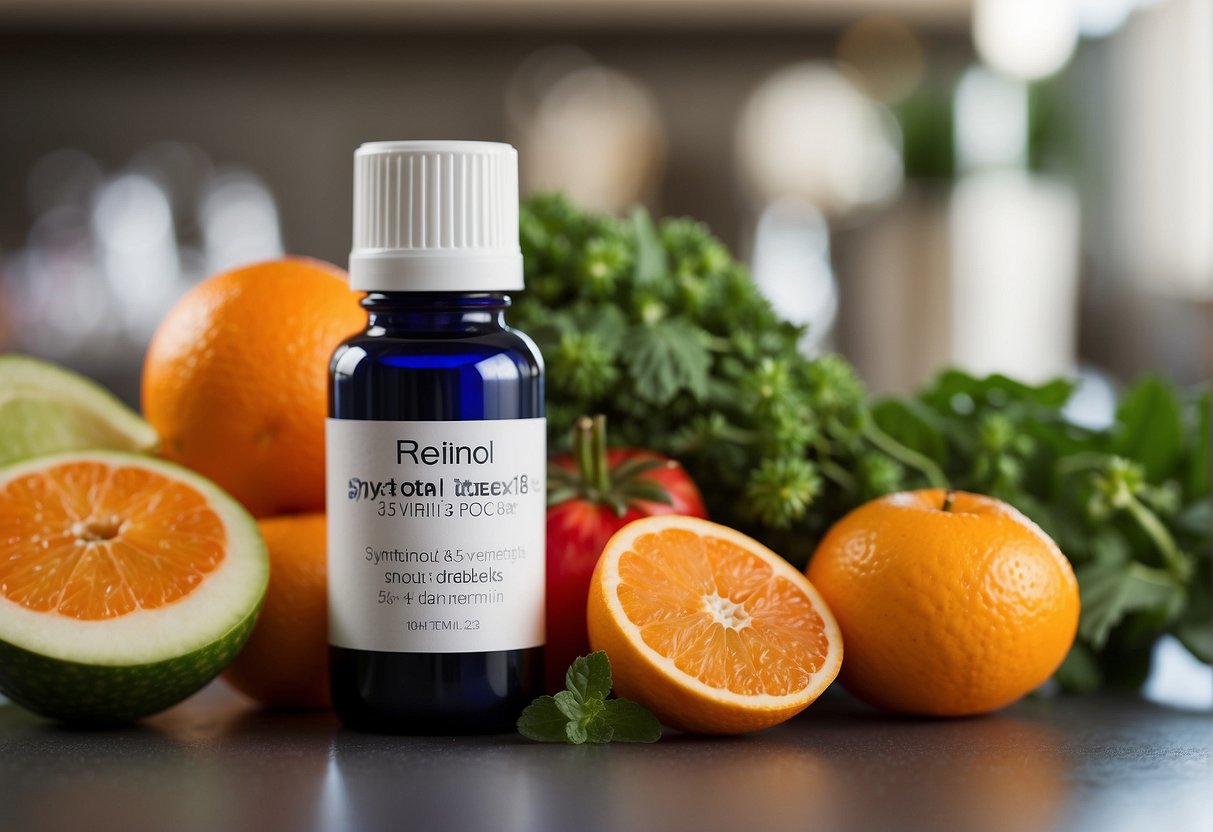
(657, 327)
(582, 713)
(666, 359)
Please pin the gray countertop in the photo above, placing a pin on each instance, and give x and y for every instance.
(214, 763)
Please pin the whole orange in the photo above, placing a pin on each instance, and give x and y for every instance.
(285, 662)
(949, 603)
(236, 378)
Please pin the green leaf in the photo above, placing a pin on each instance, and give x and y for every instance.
(1110, 591)
(950, 389)
(1194, 630)
(665, 359)
(1198, 638)
(570, 704)
(632, 722)
(1196, 519)
(1149, 429)
(651, 265)
(605, 321)
(1196, 483)
(582, 714)
(589, 677)
(648, 492)
(1079, 673)
(543, 721)
(1109, 547)
(599, 730)
(575, 733)
(913, 425)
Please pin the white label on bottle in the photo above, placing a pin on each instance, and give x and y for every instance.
(436, 535)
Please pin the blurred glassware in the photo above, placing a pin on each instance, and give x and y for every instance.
(590, 131)
(59, 307)
(1014, 267)
(137, 247)
(810, 147)
(1015, 241)
(978, 272)
(239, 221)
(106, 257)
(990, 124)
(809, 131)
(1158, 211)
(791, 265)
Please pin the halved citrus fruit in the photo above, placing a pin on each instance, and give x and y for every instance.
(46, 409)
(708, 628)
(126, 584)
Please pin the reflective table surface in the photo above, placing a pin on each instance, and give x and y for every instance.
(215, 763)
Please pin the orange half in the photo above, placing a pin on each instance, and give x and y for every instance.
(90, 540)
(708, 628)
(113, 559)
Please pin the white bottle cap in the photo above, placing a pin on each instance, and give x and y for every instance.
(435, 216)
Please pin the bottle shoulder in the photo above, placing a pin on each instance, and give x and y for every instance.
(397, 348)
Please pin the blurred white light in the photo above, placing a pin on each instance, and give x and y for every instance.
(1177, 678)
(1025, 39)
(792, 268)
(1100, 18)
(594, 133)
(809, 132)
(1093, 402)
(1014, 248)
(239, 222)
(133, 225)
(131, 213)
(991, 121)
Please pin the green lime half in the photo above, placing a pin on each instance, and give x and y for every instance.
(46, 409)
(126, 584)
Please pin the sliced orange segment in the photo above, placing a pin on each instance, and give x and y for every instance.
(90, 540)
(126, 583)
(708, 628)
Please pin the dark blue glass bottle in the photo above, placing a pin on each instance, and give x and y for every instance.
(435, 357)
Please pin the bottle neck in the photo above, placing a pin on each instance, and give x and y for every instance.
(463, 312)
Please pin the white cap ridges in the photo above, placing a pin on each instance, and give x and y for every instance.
(435, 216)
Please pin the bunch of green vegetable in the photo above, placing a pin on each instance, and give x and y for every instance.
(660, 329)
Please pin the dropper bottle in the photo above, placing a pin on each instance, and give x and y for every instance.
(436, 452)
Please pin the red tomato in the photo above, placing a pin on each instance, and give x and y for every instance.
(603, 490)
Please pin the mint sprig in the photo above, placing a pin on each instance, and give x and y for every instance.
(582, 713)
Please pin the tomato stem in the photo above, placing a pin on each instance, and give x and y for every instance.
(598, 448)
(596, 482)
(583, 452)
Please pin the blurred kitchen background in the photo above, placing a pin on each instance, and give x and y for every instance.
(1022, 186)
